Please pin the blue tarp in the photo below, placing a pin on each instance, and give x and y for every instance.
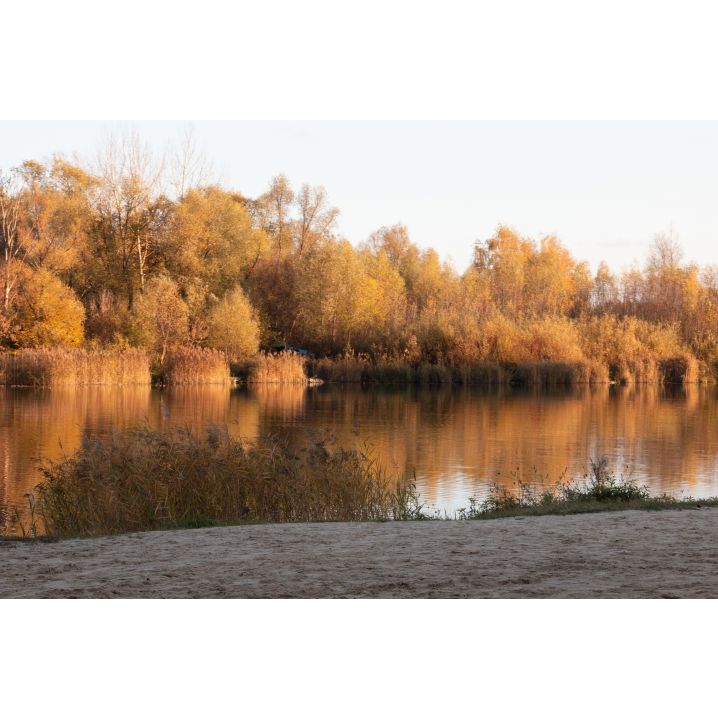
(294, 349)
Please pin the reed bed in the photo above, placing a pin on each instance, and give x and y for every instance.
(147, 479)
(57, 366)
(388, 372)
(350, 368)
(679, 369)
(434, 374)
(347, 368)
(184, 365)
(283, 368)
(485, 374)
(560, 373)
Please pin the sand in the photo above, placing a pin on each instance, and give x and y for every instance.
(632, 554)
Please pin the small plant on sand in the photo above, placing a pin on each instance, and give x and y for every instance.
(598, 490)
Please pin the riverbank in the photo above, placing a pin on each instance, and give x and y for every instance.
(627, 554)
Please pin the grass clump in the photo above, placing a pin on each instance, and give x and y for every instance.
(559, 373)
(388, 371)
(194, 365)
(59, 366)
(598, 491)
(147, 479)
(283, 368)
(347, 368)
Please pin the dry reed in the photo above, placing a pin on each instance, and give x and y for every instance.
(146, 479)
(560, 373)
(283, 368)
(58, 366)
(184, 365)
(346, 368)
(481, 374)
(681, 369)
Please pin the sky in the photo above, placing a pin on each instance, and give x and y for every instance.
(604, 187)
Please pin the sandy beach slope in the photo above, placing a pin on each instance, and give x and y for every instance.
(671, 554)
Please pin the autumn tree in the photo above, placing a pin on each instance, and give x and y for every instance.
(605, 288)
(211, 239)
(317, 218)
(427, 279)
(273, 214)
(9, 238)
(127, 203)
(56, 210)
(160, 316)
(328, 300)
(631, 289)
(48, 311)
(190, 169)
(233, 326)
(393, 241)
(503, 260)
(106, 319)
(666, 277)
(550, 284)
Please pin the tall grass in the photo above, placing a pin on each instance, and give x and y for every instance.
(636, 351)
(681, 369)
(484, 373)
(347, 368)
(58, 366)
(388, 371)
(598, 490)
(184, 365)
(147, 479)
(560, 373)
(265, 368)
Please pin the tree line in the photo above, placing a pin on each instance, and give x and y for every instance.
(135, 248)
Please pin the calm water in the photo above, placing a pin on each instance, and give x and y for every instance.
(455, 439)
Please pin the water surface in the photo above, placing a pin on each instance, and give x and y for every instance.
(456, 440)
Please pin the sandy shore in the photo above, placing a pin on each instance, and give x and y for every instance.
(671, 554)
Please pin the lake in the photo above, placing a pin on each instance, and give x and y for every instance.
(457, 440)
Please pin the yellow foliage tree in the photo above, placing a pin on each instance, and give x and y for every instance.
(212, 240)
(161, 316)
(233, 326)
(49, 312)
(504, 258)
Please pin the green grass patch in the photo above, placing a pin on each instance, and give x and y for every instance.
(598, 491)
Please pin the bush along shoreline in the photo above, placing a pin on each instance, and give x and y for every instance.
(146, 479)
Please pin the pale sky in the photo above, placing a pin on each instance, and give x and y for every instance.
(604, 187)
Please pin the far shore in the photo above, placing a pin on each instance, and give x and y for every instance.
(621, 554)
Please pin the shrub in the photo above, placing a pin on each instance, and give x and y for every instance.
(346, 368)
(49, 312)
(233, 326)
(682, 369)
(388, 372)
(161, 316)
(194, 365)
(558, 373)
(598, 490)
(480, 374)
(434, 374)
(284, 368)
(148, 479)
